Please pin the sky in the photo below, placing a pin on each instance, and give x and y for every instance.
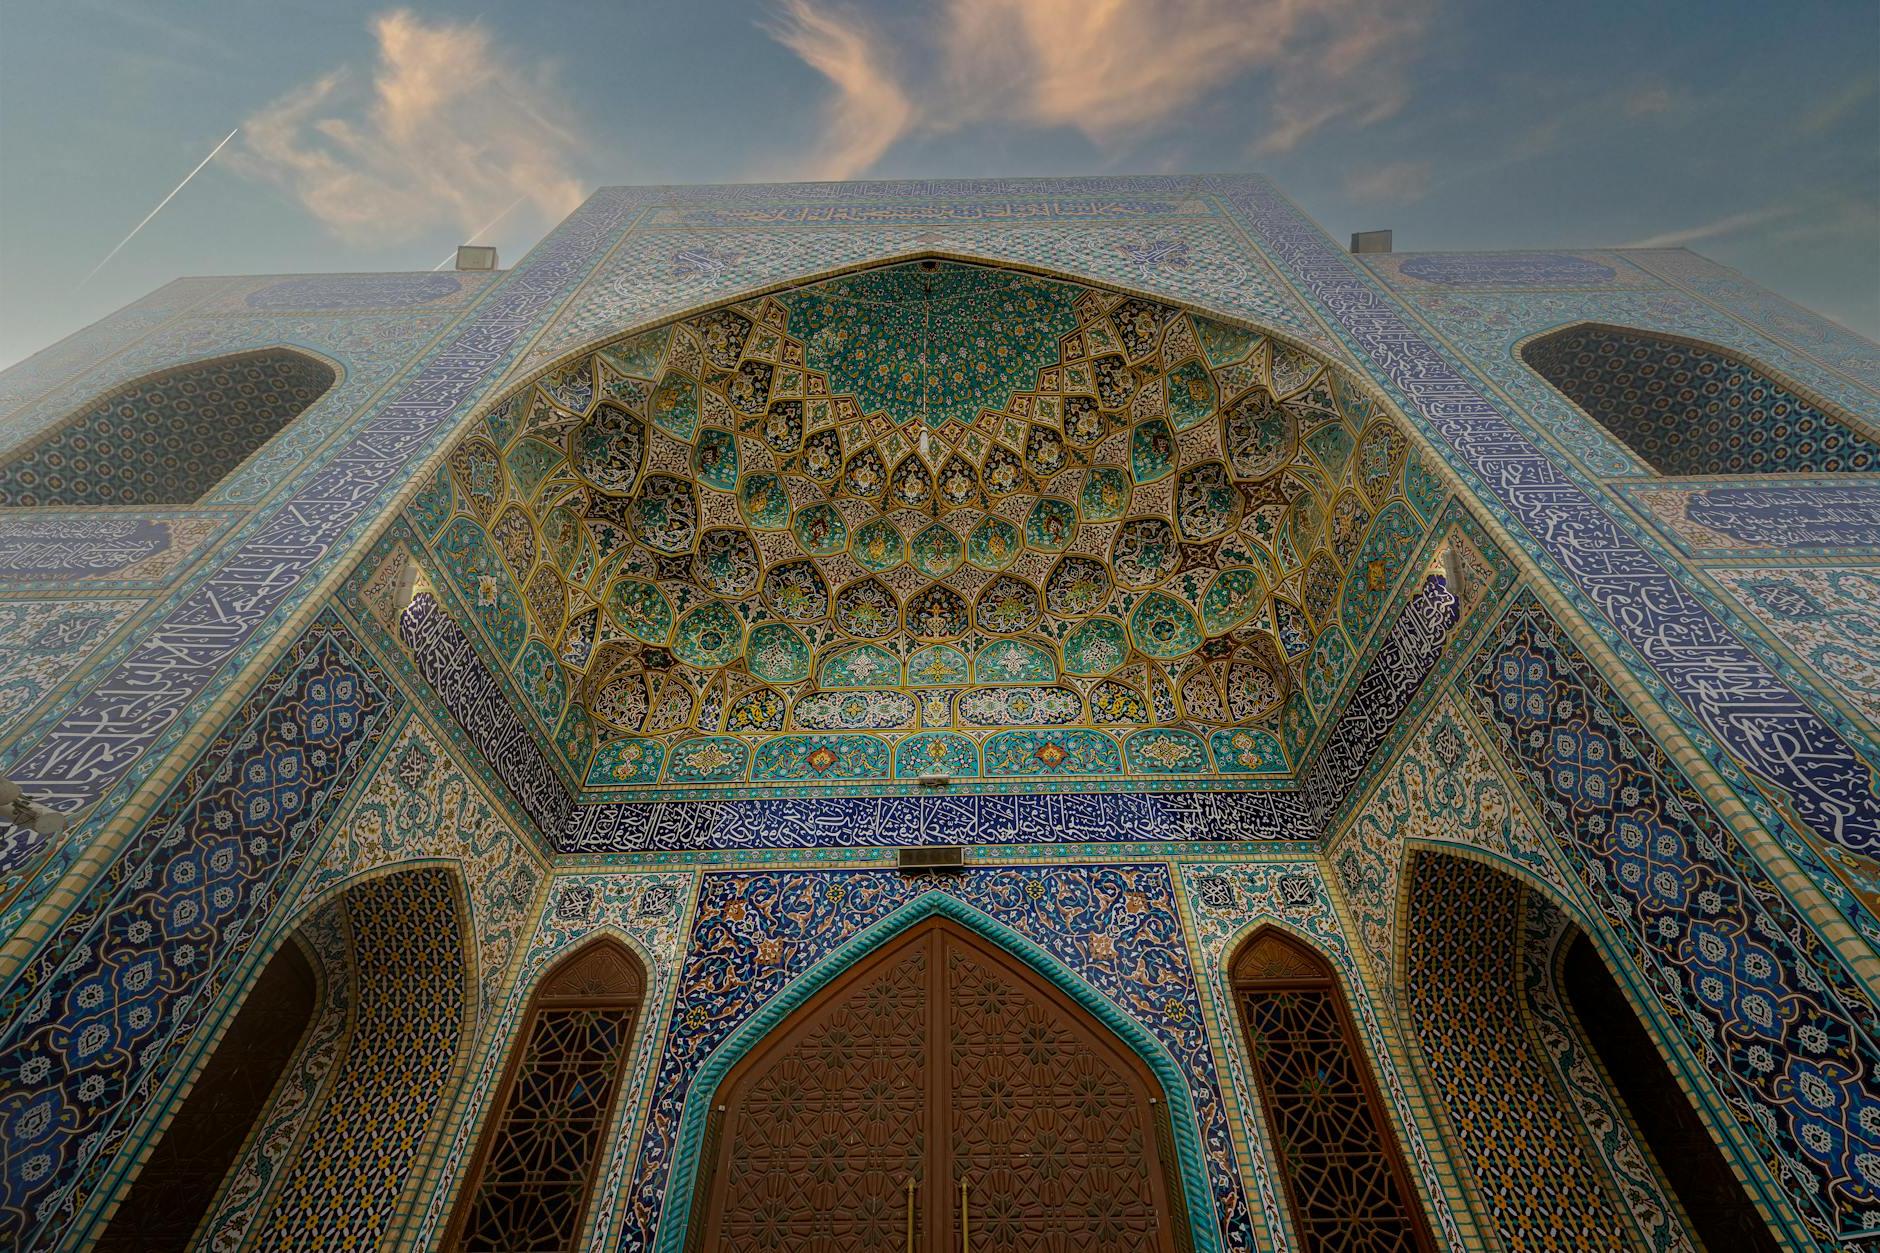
(376, 137)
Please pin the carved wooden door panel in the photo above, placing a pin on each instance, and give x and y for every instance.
(824, 1139)
(828, 1120)
(1051, 1127)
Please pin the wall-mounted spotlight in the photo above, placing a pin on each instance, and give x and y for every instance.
(22, 812)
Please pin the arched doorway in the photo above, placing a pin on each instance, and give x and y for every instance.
(180, 1178)
(1571, 1123)
(940, 1095)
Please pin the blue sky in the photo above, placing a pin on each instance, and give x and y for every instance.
(374, 137)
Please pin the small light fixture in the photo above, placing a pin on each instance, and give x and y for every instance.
(935, 780)
(476, 257)
(23, 813)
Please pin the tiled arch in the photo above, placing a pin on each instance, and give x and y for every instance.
(169, 437)
(1688, 407)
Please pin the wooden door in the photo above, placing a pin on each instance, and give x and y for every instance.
(939, 1097)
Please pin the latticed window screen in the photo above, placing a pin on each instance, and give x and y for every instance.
(528, 1187)
(1344, 1176)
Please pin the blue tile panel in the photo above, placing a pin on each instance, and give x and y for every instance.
(1733, 694)
(1786, 1035)
(109, 1007)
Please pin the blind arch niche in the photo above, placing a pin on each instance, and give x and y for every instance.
(1688, 407)
(167, 438)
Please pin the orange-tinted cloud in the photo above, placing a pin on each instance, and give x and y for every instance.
(1111, 69)
(445, 132)
(869, 111)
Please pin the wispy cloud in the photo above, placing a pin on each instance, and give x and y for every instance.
(1828, 114)
(1650, 100)
(446, 131)
(1735, 224)
(1110, 69)
(869, 111)
(1399, 182)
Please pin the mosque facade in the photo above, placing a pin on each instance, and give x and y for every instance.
(995, 714)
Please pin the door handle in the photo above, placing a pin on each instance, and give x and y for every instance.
(966, 1220)
(910, 1214)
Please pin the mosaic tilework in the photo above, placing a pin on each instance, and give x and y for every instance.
(1499, 271)
(1114, 927)
(1784, 1033)
(394, 1074)
(1830, 619)
(328, 293)
(419, 803)
(1784, 518)
(1020, 818)
(56, 550)
(143, 697)
(473, 696)
(108, 1007)
(43, 641)
(1755, 722)
(1540, 1183)
(707, 244)
(1227, 903)
(1688, 409)
(1486, 329)
(1643, 1197)
(1409, 652)
(49, 368)
(651, 911)
(1806, 331)
(229, 1225)
(166, 440)
(797, 514)
(1441, 788)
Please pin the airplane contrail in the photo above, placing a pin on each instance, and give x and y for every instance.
(486, 227)
(153, 213)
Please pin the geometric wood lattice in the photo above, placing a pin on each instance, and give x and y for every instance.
(528, 1186)
(1344, 1176)
(939, 1092)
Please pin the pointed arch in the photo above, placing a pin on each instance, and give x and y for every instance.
(169, 437)
(1491, 1000)
(1347, 1185)
(1684, 406)
(693, 1141)
(983, 1091)
(531, 1178)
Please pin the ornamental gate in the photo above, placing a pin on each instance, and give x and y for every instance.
(940, 1096)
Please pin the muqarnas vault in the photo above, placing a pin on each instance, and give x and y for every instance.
(1407, 723)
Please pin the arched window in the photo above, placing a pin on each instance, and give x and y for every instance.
(528, 1185)
(168, 438)
(1345, 1177)
(1690, 408)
